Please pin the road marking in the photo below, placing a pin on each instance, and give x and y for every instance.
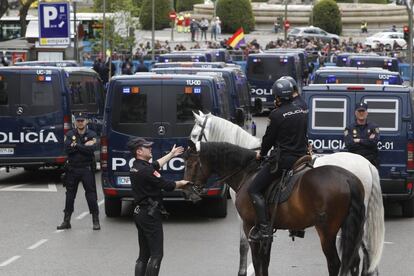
(9, 261)
(388, 242)
(36, 245)
(59, 231)
(250, 270)
(101, 202)
(81, 216)
(17, 188)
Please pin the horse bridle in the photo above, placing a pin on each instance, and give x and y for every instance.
(202, 134)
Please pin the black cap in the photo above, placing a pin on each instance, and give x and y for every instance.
(80, 116)
(361, 106)
(135, 143)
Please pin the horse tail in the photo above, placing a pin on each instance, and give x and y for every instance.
(353, 227)
(375, 228)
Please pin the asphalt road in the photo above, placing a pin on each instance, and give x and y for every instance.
(31, 207)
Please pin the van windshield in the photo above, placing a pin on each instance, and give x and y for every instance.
(269, 69)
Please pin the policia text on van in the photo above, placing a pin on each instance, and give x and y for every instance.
(158, 108)
(331, 109)
(36, 105)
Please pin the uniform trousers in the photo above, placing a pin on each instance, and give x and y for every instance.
(87, 176)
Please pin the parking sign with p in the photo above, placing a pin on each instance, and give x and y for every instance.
(54, 23)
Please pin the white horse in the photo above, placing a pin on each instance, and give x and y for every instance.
(215, 129)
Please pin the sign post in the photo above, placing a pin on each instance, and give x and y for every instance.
(54, 24)
(172, 16)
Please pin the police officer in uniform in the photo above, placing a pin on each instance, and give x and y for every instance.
(287, 133)
(80, 145)
(361, 137)
(147, 184)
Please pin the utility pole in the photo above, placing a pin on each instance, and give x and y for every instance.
(104, 33)
(75, 43)
(286, 12)
(153, 32)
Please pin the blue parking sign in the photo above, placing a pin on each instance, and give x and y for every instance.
(54, 23)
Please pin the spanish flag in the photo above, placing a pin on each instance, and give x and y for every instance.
(237, 39)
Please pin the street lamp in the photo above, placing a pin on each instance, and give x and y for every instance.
(104, 32)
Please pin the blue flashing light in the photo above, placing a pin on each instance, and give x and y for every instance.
(344, 59)
(331, 79)
(197, 90)
(393, 80)
(126, 90)
(166, 60)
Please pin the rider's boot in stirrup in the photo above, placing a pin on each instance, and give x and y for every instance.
(262, 230)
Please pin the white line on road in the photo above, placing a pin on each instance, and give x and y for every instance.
(250, 270)
(101, 202)
(81, 216)
(36, 245)
(59, 231)
(16, 188)
(388, 242)
(9, 261)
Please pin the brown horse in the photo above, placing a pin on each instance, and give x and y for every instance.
(328, 197)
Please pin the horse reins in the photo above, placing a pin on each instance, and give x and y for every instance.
(203, 126)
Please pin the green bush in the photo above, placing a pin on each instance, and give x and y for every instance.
(235, 14)
(162, 8)
(326, 15)
(187, 5)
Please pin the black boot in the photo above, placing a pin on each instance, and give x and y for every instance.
(95, 221)
(66, 222)
(262, 230)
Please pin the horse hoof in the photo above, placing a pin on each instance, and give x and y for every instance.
(242, 274)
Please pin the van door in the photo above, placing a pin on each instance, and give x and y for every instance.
(387, 112)
(36, 129)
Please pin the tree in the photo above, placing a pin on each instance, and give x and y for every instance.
(4, 6)
(24, 8)
(187, 5)
(162, 9)
(326, 15)
(133, 6)
(235, 14)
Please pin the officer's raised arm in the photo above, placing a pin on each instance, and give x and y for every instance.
(175, 151)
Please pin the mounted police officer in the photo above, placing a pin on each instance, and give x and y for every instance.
(147, 184)
(80, 146)
(361, 137)
(287, 134)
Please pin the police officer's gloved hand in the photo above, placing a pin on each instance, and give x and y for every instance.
(181, 183)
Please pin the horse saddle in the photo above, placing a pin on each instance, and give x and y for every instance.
(287, 181)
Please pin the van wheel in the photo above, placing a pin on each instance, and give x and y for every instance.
(113, 207)
(408, 208)
(214, 207)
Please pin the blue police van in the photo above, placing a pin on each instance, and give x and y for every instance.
(331, 109)
(264, 69)
(342, 58)
(212, 54)
(180, 56)
(190, 64)
(159, 108)
(337, 75)
(237, 90)
(384, 62)
(60, 63)
(302, 54)
(36, 105)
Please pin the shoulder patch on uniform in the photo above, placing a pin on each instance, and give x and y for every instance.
(156, 174)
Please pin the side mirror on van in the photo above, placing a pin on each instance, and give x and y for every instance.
(239, 116)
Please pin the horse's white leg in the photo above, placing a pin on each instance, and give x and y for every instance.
(244, 244)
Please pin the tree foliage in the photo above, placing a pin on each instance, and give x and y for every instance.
(133, 6)
(326, 15)
(235, 14)
(187, 5)
(24, 8)
(162, 8)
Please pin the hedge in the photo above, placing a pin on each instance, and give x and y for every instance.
(162, 9)
(326, 15)
(235, 14)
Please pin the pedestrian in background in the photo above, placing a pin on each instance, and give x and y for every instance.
(80, 146)
(147, 184)
(364, 27)
(361, 137)
(204, 27)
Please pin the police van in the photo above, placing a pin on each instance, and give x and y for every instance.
(342, 58)
(237, 90)
(212, 54)
(303, 57)
(264, 69)
(179, 56)
(331, 109)
(190, 64)
(337, 75)
(36, 105)
(159, 108)
(373, 61)
(61, 63)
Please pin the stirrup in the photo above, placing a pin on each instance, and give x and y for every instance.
(296, 233)
(258, 234)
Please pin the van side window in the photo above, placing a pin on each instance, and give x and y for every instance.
(42, 94)
(4, 95)
(384, 112)
(133, 109)
(90, 93)
(329, 113)
(76, 92)
(186, 104)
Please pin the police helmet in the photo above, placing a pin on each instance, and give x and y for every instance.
(135, 143)
(283, 89)
(292, 80)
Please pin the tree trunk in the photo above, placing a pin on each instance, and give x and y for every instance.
(4, 6)
(24, 8)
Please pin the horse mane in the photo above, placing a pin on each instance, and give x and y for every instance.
(222, 154)
(225, 131)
